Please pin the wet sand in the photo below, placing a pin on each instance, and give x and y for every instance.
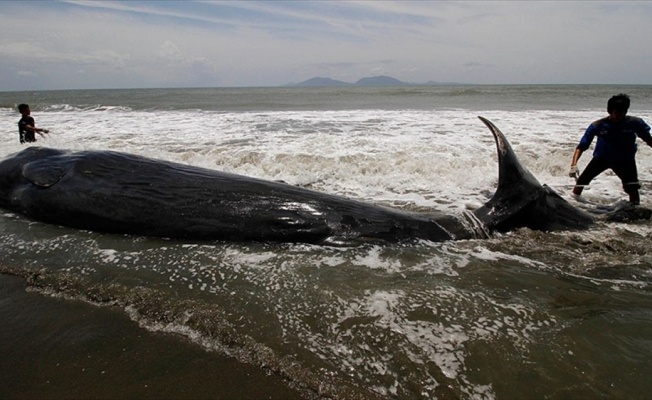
(56, 348)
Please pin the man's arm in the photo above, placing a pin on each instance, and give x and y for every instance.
(574, 172)
(584, 144)
(644, 132)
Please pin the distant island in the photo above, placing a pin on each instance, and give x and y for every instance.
(373, 81)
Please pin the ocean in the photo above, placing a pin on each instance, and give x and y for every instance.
(520, 315)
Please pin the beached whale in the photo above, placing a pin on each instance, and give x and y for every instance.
(124, 193)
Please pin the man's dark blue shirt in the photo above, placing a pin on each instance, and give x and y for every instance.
(616, 140)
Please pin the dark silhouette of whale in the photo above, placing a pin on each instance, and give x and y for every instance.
(124, 193)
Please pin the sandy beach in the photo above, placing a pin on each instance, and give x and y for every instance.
(56, 348)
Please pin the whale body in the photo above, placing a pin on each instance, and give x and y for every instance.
(118, 192)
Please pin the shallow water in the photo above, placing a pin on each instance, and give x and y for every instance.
(526, 314)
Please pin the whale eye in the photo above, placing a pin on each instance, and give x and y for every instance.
(42, 174)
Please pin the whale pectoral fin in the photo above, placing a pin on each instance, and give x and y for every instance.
(42, 174)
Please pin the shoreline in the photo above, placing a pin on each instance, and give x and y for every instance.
(59, 348)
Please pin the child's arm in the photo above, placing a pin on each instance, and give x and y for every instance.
(37, 130)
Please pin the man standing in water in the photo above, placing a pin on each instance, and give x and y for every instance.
(615, 149)
(27, 127)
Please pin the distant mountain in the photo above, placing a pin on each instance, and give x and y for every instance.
(369, 81)
(366, 82)
(318, 81)
(380, 81)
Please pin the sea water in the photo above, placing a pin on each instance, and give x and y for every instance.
(524, 314)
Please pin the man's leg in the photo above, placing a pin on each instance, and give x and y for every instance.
(634, 197)
(593, 169)
(628, 175)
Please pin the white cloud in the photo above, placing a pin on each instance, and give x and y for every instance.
(169, 50)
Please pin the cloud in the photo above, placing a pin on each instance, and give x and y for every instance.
(169, 51)
(30, 53)
(250, 43)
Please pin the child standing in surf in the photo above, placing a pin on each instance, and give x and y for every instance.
(27, 127)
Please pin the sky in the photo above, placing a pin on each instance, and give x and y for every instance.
(46, 45)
